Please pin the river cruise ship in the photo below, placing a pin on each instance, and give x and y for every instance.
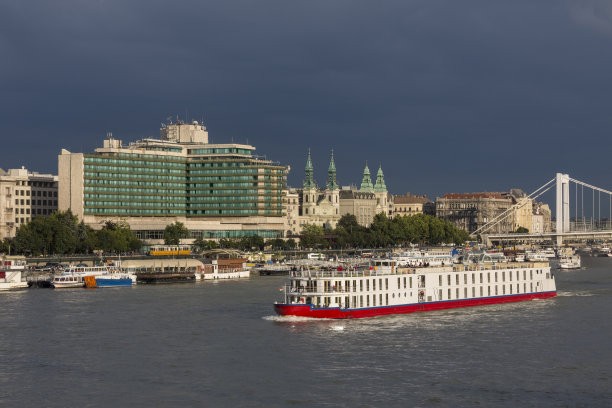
(382, 288)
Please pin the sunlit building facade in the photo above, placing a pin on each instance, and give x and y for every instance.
(216, 190)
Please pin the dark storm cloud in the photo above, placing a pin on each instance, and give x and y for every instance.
(447, 95)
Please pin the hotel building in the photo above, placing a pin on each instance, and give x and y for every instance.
(215, 190)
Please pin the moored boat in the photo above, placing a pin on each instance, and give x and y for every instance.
(382, 288)
(231, 268)
(11, 273)
(74, 276)
(569, 261)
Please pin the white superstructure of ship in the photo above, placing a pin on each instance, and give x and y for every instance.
(382, 288)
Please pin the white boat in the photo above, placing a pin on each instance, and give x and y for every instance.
(214, 270)
(569, 262)
(74, 276)
(11, 273)
(383, 288)
(536, 256)
(419, 258)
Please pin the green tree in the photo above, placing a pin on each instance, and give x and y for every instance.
(173, 233)
(522, 230)
(312, 236)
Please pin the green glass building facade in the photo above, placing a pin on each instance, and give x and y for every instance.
(173, 180)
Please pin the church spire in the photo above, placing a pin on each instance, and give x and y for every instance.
(331, 174)
(380, 181)
(366, 182)
(308, 173)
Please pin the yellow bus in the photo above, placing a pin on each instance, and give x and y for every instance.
(170, 250)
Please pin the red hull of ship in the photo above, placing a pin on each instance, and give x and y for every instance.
(337, 313)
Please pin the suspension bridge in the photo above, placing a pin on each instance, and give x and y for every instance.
(571, 222)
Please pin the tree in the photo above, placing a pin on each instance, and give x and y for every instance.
(522, 230)
(312, 236)
(173, 233)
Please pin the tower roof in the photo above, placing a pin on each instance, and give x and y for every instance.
(380, 181)
(331, 174)
(308, 173)
(366, 182)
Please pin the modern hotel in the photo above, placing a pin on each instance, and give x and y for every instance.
(216, 190)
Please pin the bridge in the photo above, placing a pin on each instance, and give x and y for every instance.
(578, 228)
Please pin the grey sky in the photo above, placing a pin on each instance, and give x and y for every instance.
(450, 96)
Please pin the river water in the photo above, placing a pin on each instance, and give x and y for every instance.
(218, 344)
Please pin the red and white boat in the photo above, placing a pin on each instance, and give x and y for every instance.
(382, 288)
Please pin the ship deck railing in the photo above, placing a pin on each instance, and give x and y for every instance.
(352, 273)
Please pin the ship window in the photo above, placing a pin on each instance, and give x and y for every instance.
(510, 288)
(373, 300)
(495, 290)
(503, 289)
(518, 288)
(405, 282)
(510, 276)
(387, 283)
(440, 279)
(480, 277)
(449, 294)
(380, 284)
(440, 294)
(457, 293)
(368, 300)
(387, 299)
(481, 291)
(503, 276)
(495, 276)
(380, 299)
(524, 287)
(354, 286)
(517, 275)
(524, 274)
(531, 286)
(488, 277)
(531, 274)
(465, 278)
(457, 279)
(361, 301)
(367, 285)
(410, 282)
(488, 291)
(373, 284)
(449, 280)
(399, 283)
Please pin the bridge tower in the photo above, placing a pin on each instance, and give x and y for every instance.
(562, 210)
